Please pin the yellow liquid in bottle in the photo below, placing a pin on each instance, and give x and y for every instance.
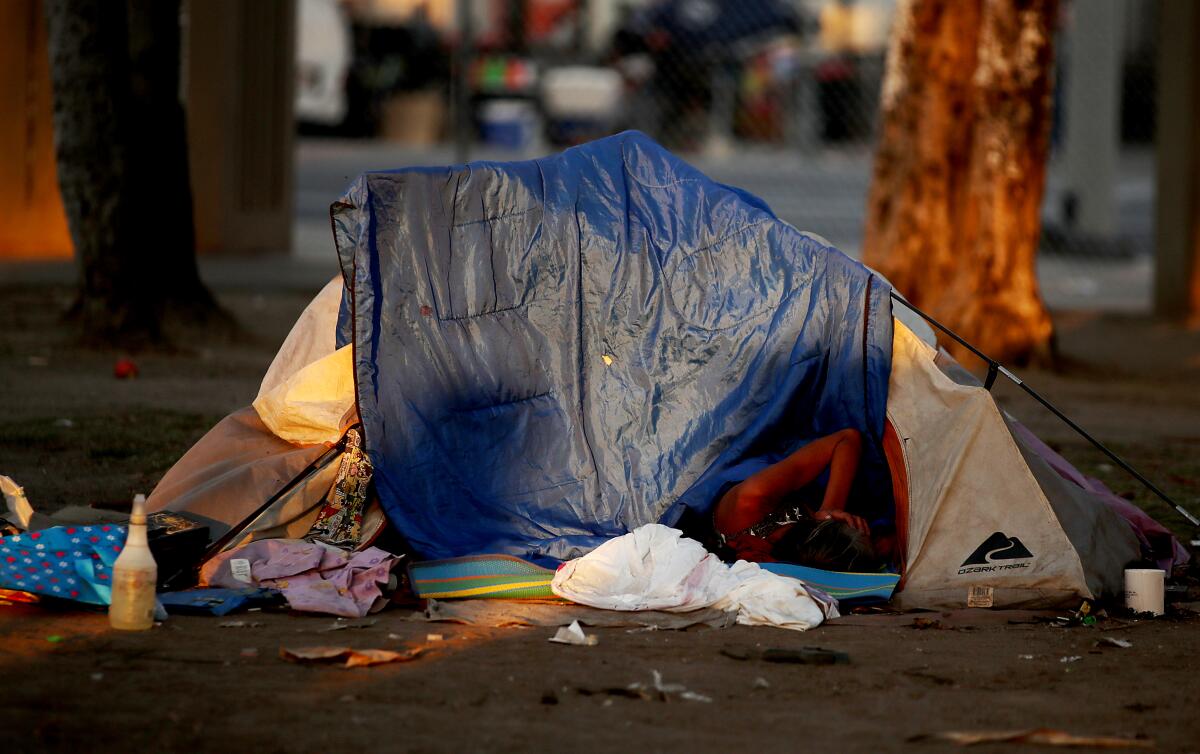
(134, 577)
(132, 606)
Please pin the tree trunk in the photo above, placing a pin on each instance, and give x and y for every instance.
(953, 213)
(122, 166)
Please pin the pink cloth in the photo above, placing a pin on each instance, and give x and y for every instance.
(313, 577)
(1149, 532)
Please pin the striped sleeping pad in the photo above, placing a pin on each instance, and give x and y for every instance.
(507, 577)
(480, 577)
(845, 587)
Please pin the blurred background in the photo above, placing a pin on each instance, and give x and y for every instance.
(287, 100)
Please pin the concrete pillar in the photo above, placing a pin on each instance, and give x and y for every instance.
(239, 79)
(32, 221)
(1177, 220)
(1092, 142)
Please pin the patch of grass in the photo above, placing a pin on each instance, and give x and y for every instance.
(96, 458)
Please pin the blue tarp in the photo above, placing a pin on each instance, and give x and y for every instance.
(554, 352)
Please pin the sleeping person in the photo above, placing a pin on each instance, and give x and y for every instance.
(767, 517)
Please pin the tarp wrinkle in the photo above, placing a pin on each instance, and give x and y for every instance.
(656, 314)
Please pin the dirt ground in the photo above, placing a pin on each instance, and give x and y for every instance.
(72, 434)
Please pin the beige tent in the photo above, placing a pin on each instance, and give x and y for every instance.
(263, 472)
(988, 523)
(984, 521)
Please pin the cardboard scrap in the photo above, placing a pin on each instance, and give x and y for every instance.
(1043, 736)
(345, 656)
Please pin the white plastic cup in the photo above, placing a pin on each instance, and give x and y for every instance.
(1144, 590)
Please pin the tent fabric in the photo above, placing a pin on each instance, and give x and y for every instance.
(231, 471)
(1156, 539)
(239, 465)
(552, 353)
(979, 517)
(307, 394)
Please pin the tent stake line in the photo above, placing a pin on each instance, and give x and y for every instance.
(995, 367)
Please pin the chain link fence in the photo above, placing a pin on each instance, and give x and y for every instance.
(780, 97)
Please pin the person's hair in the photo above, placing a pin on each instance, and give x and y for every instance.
(829, 545)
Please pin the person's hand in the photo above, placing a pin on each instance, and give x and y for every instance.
(855, 522)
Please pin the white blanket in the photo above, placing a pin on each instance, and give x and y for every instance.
(656, 568)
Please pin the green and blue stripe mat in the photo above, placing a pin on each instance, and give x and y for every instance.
(480, 577)
(848, 588)
(506, 577)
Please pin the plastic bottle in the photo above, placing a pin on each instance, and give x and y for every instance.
(135, 575)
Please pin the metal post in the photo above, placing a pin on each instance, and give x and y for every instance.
(464, 56)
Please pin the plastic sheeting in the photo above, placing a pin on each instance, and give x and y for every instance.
(552, 353)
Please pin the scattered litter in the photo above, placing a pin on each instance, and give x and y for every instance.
(346, 657)
(922, 624)
(1044, 736)
(573, 634)
(64, 423)
(1024, 657)
(802, 656)
(1070, 658)
(434, 637)
(239, 624)
(806, 656)
(937, 680)
(1186, 608)
(341, 624)
(395, 637)
(54, 638)
(761, 683)
(125, 369)
(218, 602)
(665, 691)
(97, 676)
(641, 630)
(1109, 641)
(250, 652)
(1085, 615)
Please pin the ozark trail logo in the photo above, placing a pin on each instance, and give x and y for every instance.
(996, 548)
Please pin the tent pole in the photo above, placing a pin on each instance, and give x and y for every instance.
(995, 367)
